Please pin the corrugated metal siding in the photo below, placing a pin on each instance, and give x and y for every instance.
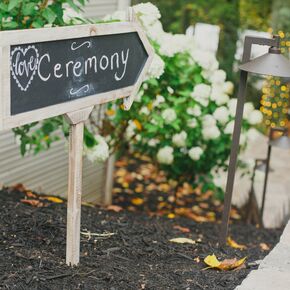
(47, 171)
(96, 9)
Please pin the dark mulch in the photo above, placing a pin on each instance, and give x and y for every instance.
(138, 256)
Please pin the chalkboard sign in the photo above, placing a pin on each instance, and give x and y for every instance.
(58, 70)
(49, 73)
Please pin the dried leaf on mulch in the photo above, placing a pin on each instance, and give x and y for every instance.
(234, 244)
(181, 229)
(225, 265)
(182, 241)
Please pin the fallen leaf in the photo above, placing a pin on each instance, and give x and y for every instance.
(212, 261)
(52, 199)
(234, 244)
(19, 187)
(137, 201)
(30, 194)
(182, 241)
(32, 202)
(225, 265)
(182, 229)
(171, 215)
(114, 208)
(264, 247)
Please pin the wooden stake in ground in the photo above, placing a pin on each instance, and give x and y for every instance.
(76, 120)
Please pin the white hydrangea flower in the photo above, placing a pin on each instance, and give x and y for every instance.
(221, 114)
(179, 139)
(248, 109)
(243, 139)
(229, 129)
(144, 110)
(170, 90)
(218, 95)
(165, 155)
(232, 104)
(210, 133)
(255, 117)
(208, 121)
(201, 94)
(159, 100)
(147, 13)
(171, 44)
(192, 123)
(130, 130)
(205, 59)
(195, 153)
(156, 68)
(168, 115)
(153, 142)
(218, 77)
(98, 153)
(195, 111)
(156, 32)
(228, 87)
(253, 134)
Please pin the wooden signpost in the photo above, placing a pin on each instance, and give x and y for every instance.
(66, 71)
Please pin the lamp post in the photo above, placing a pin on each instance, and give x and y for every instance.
(272, 63)
(281, 142)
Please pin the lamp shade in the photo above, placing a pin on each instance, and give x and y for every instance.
(281, 142)
(274, 64)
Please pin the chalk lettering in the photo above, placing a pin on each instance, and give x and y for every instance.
(125, 62)
(77, 66)
(102, 66)
(43, 78)
(57, 67)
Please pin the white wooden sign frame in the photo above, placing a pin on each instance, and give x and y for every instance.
(76, 111)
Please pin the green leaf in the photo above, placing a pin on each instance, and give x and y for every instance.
(10, 25)
(73, 5)
(12, 4)
(37, 23)
(49, 15)
(28, 9)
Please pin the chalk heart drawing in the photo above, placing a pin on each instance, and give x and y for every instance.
(23, 65)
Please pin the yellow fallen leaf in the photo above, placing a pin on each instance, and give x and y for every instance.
(225, 265)
(212, 261)
(234, 244)
(171, 215)
(230, 264)
(52, 199)
(137, 201)
(182, 241)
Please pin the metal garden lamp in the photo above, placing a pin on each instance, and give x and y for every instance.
(272, 63)
(282, 142)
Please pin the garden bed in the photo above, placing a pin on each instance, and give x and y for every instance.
(133, 253)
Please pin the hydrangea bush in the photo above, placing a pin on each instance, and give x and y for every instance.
(183, 117)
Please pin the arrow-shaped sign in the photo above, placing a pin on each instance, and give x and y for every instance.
(53, 71)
